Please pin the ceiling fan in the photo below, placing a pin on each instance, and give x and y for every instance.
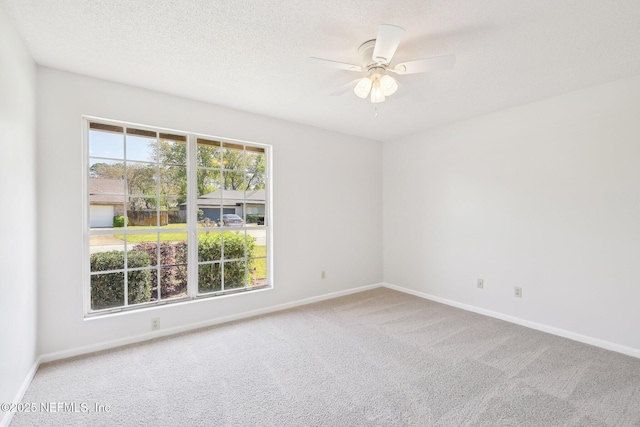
(375, 58)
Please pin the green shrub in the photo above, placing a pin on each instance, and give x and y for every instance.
(107, 289)
(173, 279)
(180, 256)
(211, 248)
(118, 221)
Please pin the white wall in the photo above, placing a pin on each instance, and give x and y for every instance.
(17, 212)
(545, 196)
(327, 206)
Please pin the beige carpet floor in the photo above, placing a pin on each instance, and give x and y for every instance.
(377, 358)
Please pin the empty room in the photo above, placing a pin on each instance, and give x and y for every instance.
(290, 213)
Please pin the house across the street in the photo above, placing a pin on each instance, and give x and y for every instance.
(220, 202)
(104, 201)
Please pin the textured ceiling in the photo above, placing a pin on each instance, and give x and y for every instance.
(253, 55)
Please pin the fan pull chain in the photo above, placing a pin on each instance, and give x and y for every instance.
(375, 112)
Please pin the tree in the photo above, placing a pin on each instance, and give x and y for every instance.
(256, 168)
(227, 167)
(140, 180)
(172, 159)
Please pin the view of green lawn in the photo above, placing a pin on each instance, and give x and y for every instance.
(167, 235)
(261, 264)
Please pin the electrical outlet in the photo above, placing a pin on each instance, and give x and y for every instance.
(480, 284)
(155, 323)
(323, 274)
(517, 292)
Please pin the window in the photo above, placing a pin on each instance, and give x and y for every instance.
(172, 216)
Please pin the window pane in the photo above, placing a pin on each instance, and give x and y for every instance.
(235, 274)
(142, 212)
(255, 160)
(255, 181)
(173, 264)
(209, 197)
(209, 277)
(256, 243)
(154, 273)
(173, 180)
(233, 181)
(232, 199)
(209, 182)
(209, 216)
(141, 148)
(139, 285)
(209, 246)
(172, 254)
(106, 169)
(257, 271)
(105, 212)
(255, 200)
(233, 156)
(172, 244)
(172, 152)
(142, 178)
(173, 281)
(106, 192)
(106, 144)
(106, 257)
(145, 249)
(107, 290)
(234, 245)
(175, 210)
(209, 154)
(257, 253)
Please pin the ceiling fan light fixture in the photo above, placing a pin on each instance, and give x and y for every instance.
(363, 87)
(377, 95)
(389, 85)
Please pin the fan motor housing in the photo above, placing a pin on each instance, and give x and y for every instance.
(365, 52)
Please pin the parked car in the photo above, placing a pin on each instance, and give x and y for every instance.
(232, 220)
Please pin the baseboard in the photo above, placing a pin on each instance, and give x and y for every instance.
(78, 351)
(8, 416)
(629, 351)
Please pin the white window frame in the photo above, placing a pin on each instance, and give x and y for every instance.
(192, 223)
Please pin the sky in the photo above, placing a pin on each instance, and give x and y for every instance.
(112, 146)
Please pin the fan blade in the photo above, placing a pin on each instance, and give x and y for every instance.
(436, 63)
(387, 42)
(340, 65)
(345, 88)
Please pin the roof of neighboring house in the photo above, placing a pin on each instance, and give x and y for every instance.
(104, 191)
(232, 197)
